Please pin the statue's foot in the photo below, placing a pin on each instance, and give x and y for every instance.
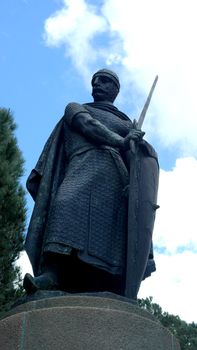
(46, 281)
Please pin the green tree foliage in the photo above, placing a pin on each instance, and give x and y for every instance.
(184, 332)
(12, 210)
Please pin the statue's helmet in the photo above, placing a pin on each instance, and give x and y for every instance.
(108, 73)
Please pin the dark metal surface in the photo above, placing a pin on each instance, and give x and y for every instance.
(78, 230)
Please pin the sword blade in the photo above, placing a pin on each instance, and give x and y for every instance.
(144, 110)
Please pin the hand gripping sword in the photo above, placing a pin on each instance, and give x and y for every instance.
(138, 246)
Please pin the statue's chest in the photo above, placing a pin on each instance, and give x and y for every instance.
(111, 121)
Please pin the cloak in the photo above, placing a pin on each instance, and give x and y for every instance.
(42, 184)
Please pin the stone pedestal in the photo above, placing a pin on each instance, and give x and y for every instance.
(82, 323)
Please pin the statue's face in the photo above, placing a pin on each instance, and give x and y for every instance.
(104, 89)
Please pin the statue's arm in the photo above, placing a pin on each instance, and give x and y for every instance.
(81, 120)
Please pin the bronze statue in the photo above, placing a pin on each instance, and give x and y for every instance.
(78, 238)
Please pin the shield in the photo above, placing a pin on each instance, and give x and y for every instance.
(144, 177)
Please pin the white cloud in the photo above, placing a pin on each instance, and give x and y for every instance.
(176, 219)
(173, 286)
(24, 264)
(75, 25)
(142, 39)
(159, 39)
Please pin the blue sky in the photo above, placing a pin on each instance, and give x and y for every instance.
(49, 50)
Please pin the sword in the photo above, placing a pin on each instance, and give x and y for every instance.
(134, 267)
(144, 110)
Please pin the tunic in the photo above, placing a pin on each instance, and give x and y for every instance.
(89, 210)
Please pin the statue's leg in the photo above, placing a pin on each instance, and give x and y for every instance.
(48, 279)
(68, 273)
(81, 277)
